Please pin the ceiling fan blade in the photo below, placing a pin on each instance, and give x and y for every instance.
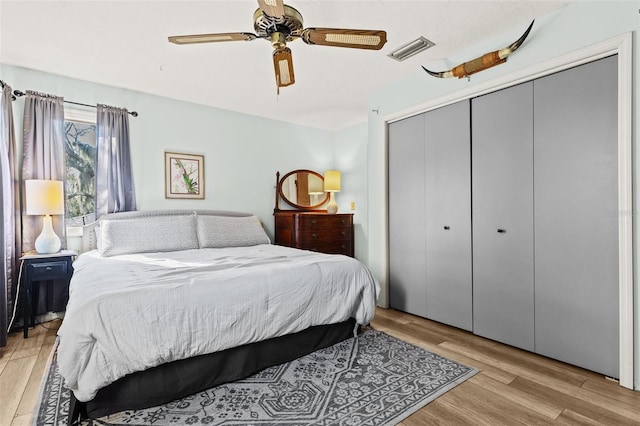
(283, 66)
(211, 38)
(338, 37)
(273, 8)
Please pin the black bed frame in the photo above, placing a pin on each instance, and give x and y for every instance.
(178, 379)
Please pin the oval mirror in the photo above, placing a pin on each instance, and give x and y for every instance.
(303, 189)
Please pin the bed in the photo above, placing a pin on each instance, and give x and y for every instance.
(167, 303)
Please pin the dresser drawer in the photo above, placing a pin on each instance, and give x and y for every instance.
(48, 270)
(323, 222)
(324, 236)
(343, 247)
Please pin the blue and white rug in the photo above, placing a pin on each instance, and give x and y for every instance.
(374, 379)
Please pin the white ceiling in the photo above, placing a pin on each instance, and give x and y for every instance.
(124, 44)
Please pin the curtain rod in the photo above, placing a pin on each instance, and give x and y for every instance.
(3, 84)
(20, 93)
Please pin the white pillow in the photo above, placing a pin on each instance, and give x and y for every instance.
(147, 235)
(230, 231)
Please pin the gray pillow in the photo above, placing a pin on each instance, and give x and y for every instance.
(147, 235)
(227, 231)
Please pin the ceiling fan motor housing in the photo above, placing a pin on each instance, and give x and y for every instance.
(290, 24)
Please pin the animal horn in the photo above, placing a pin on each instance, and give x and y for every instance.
(503, 53)
(441, 74)
(483, 62)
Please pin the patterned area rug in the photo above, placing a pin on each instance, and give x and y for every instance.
(374, 379)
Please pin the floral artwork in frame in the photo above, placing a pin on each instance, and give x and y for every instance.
(184, 175)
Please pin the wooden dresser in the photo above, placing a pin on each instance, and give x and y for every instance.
(317, 231)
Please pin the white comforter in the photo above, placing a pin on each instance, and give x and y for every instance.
(132, 312)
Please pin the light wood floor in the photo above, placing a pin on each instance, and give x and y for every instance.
(22, 364)
(512, 387)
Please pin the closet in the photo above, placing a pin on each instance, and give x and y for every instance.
(533, 189)
(502, 176)
(576, 218)
(407, 225)
(430, 215)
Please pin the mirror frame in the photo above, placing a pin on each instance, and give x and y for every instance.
(280, 194)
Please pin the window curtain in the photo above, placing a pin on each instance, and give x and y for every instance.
(114, 175)
(9, 191)
(42, 156)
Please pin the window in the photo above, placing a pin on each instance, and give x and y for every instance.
(80, 160)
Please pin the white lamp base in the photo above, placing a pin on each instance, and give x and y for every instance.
(332, 207)
(47, 242)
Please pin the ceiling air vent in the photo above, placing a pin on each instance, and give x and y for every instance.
(412, 48)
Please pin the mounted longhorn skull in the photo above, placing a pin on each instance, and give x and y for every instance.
(483, 62)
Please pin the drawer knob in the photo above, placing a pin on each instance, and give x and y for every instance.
(314, 235)
(343, 233)
(446, 228)
(313, 222)
(502, 231)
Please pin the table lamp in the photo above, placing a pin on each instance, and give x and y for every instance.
(45, 197)
(332, 185)
(316, 190)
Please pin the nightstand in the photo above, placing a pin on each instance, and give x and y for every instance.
(53, 269)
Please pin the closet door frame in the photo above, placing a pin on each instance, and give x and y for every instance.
(622, 46)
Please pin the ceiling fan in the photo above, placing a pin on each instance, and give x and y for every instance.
(280, 23)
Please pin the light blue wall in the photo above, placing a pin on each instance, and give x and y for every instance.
(577, 26)
(242, 152)
(350, 146)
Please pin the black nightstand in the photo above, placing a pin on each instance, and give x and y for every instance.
(37, 268)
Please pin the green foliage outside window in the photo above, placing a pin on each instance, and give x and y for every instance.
(80, 140)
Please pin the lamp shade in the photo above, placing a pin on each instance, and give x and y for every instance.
(44, 197)
(315, 185)
(332, 181)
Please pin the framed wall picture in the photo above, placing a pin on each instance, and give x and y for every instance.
(184, 175)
